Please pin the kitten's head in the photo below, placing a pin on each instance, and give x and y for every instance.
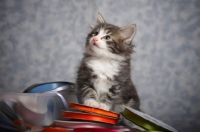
(107, 40)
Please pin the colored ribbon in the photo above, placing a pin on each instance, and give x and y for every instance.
(54, 87)
(146, 124)
(65, 87)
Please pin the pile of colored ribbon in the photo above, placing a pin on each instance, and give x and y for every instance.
(87, 119)
(81, 118)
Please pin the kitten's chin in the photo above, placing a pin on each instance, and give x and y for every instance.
(100, 52)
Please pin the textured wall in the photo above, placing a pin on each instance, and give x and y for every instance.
(43, 40)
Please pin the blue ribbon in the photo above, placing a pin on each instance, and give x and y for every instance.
(51, 87)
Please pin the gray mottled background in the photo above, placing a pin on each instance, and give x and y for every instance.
(43, 40)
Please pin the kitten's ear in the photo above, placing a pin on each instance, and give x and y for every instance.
(128, 33)
(100, 19)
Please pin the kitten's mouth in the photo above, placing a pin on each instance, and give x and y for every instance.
(94, 44)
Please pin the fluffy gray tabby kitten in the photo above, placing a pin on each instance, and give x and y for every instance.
(104, 76)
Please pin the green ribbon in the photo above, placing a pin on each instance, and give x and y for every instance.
(146, 124)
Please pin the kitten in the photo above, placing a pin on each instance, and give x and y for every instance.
(104, 76)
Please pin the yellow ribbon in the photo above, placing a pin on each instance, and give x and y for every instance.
(146, 124)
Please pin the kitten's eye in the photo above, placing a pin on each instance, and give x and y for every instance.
(95, 33)
(107, 37)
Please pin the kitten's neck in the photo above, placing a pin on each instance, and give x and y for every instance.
(87, 55)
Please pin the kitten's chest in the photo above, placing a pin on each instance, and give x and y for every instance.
(103, 68)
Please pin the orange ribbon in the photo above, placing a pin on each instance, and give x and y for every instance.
(93, 110)
(89, 117)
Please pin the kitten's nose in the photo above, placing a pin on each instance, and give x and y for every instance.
(95, 39)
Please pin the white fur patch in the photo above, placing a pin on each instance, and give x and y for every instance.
(104, 69)
(104, 106)
(91, 103)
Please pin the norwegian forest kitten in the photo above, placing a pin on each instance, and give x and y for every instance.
(104, 76)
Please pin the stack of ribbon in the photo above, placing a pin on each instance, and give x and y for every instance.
(88, 119)
(83, 118)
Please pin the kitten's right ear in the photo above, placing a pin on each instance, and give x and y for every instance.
(128, 33)
(100, 19)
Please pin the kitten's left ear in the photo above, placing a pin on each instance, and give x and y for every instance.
(128, 33)
(100, 19)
